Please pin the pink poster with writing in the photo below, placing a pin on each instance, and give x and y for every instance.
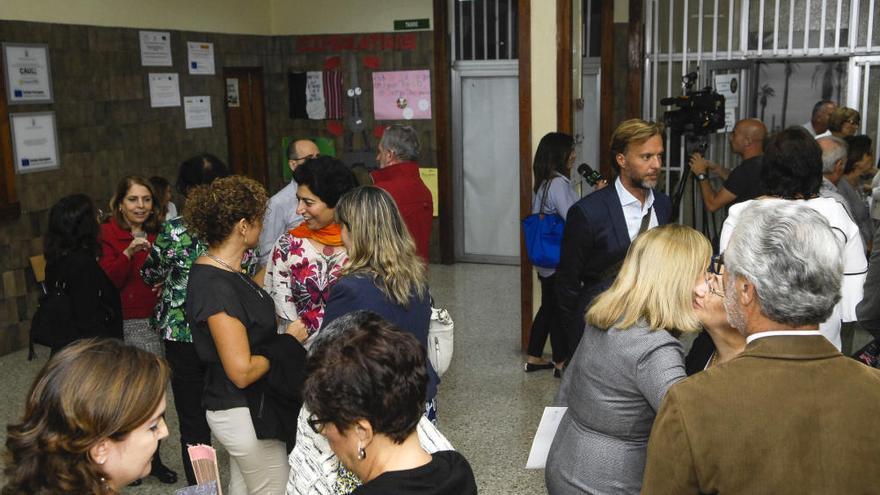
(402, 95)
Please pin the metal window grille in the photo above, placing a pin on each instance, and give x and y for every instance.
(841, 37)
(485, 29)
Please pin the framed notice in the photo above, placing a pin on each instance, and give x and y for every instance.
(34, 142)
(28, 76)
(201, 58)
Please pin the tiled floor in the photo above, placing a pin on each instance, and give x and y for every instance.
(488, 407)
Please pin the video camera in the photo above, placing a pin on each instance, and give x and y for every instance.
(699, 112)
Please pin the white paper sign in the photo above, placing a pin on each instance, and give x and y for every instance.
(727, 85)
(197, 110)
(232, 93)
(201, 57)
(164, 90)
(155, 48)
(544, 437)
(28, 78)
(34, 143)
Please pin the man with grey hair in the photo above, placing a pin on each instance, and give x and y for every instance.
(399, 175)
(791, 414)
(833, 159)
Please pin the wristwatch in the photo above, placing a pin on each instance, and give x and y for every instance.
(702, 177)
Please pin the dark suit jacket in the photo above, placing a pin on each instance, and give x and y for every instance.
(358, 292)
(791, 414)
(595, 238)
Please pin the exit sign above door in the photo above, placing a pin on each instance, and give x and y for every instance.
(406, 24)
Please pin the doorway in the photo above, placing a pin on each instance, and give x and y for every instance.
(246, 122)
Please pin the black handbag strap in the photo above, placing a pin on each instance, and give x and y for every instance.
(546, 189)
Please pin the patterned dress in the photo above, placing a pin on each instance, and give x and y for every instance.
(299, 278)
(173, 253)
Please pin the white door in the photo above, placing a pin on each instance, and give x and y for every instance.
(486, 172)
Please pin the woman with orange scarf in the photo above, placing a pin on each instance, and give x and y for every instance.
(307, 261)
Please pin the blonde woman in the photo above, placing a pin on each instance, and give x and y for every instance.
(383, 273)
(628, 358)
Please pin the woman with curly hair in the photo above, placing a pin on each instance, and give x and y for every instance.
(231, 319)
(306, 261)
(71, 247)
(93, 419)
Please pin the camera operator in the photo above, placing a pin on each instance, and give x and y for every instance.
(743, 182)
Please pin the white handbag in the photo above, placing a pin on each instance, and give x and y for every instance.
(440, 340)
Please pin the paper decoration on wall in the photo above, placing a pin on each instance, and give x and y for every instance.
(333, 94)
(372, 62)
(331, 63)
(373, 42)
(296, 84)
(334, 127)
(378, 131)
(315, 95)
(429, 177)
(402, 95)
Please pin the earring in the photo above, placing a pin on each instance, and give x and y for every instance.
(362, 454)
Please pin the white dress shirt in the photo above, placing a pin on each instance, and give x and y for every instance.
(782, 333)
(634, 210)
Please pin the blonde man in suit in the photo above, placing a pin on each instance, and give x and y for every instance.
(791, 414)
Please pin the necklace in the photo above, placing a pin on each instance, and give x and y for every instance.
(247, 281)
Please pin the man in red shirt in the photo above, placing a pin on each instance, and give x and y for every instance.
(398, 174)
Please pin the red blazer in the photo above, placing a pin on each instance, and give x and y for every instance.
(404, 184)
(138, 298)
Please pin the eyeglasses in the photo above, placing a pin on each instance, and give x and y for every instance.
(316, 155)
(316, 424)
(853, 121)
(713, 275)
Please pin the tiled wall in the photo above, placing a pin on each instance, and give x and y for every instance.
(107, 130)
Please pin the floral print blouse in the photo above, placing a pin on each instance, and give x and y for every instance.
(170, 259)
(299, 278)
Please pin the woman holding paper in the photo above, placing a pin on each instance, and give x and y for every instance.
(628, 358)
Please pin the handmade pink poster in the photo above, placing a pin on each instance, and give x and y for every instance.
(402, 95)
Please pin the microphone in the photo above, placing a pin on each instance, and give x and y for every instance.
(591, 176)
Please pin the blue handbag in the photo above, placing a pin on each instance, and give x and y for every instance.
(543, 236)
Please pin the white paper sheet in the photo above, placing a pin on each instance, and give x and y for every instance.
(197, 110)
(164, 90)
(34, 142)
(201, 58)
(544, 437)
(156, 49)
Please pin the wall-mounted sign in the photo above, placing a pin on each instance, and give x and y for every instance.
(201, 58)
(197, 111)
(34, 142)
(28, 76)
(232, 97)
(156, 49)
(164, 90)
(407, 24)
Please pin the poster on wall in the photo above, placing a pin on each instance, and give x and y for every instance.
(232, 96)
(164, 90)
(727, 86)
(34, 142)
(201, 58)
(197, 111)
(28, 76)
(155, 48)
(402, 95)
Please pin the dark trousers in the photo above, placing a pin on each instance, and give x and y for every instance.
(547, 322)
(187, 385)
